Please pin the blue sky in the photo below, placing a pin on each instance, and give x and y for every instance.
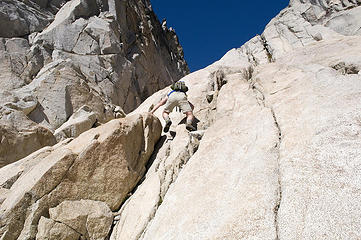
(208, 29)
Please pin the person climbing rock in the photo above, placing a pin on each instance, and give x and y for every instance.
(176, 98)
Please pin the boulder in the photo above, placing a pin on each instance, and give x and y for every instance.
(92, 219)
(81, 121)
(102, 164)
(20, 136)
(10, 173)
(49, 229)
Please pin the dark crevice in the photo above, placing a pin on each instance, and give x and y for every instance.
(8, 184)
(346, 69)
(279, 191)
(78, 37)
(128, 90)
(111, 230)
(253, 58)
(248, 73)
(267, 49)
(219, 78)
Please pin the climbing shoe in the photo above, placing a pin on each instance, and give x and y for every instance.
(167, 126)
(190, 127)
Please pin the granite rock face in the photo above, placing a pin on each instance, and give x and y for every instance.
(20, 136)
(276, 154)
(81, 121)
(57, 56)
(21, 18)
(279, 158)
(92, 219)
(305, 22)
(103, 164)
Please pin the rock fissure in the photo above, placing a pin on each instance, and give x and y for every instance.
(150, 218)
(261, 100)
(173, 172)
(266, 48)
(127, 92)
(87, 54)
(79, 35)
(81, 234)
(184, 158)
(279, 191)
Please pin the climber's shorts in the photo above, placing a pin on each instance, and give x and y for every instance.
(177, 99)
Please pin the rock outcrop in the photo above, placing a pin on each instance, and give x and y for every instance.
(103, 164)
(89, 219)
(57, 56)
(21, 18)
(20, 136)
(279, 158)
(81, 121)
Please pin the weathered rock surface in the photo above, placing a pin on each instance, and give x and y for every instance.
(49, 229)
(317, 112)
(276, 154)
(92, 219)
(81, 121)
(102, 164)
(215, 196)
(20, 136)
(167, 163)
(279, 160)
(20, 18)
(305, 22)
(122, 50)
(58, 55)
(19, 64)
(280, 155)
(61, 90)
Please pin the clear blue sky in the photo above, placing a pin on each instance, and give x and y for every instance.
(207, 29)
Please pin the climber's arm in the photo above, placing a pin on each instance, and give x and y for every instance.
(161, 103)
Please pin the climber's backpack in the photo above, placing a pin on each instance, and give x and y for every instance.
(179, 86)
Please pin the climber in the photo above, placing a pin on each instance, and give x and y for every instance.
(176, 98)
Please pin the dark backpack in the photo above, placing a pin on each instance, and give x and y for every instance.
(179, 86)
